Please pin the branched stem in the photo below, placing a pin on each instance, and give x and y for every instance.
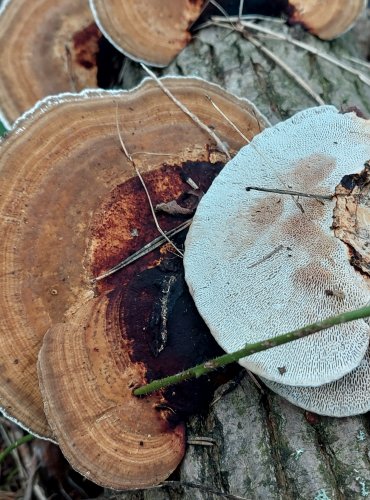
(249, 349)
(13, 446)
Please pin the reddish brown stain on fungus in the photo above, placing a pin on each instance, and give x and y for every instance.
(86, 46)
(303, 277)
(127, 210)
(267, 210)
(309, 172)
(151, 315)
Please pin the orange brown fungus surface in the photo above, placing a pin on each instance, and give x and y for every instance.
(63, 176)
(47, 47)
(149, 31)
(114, 438)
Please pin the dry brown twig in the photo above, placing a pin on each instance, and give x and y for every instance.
(220, 145)
(242, 25)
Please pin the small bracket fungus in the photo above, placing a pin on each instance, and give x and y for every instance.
(63, 220)
(327, 19)
(148, 31)
(47, 47)
(260, 264)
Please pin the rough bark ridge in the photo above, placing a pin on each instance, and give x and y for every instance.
(265, 448)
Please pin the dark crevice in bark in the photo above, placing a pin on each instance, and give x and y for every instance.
(274, 439)
(329, 459)
(219, 478)
(266, 86)
(239, 55)
(217, 70)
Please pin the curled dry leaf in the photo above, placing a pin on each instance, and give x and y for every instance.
(47, 47)
(68, 213)
(173, 208)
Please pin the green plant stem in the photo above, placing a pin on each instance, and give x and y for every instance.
(13, 446)
(249, 349)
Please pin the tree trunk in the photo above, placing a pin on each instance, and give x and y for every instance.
(264, 447)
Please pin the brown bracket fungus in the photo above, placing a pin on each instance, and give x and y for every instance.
(47, 47)
(155, 31)
(149, 31)
(65, 219)
(272, 260)
(327, 19)
(106, 433)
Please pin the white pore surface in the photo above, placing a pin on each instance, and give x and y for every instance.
(342, 398)
(244, 293)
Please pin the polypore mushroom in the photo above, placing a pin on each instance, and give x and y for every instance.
(350, 394)
(149, 31)
(64, 221)
(47, 47)
(273, 261)
(327, 19)
(104, 431)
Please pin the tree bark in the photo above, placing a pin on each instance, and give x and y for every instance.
(264, 447)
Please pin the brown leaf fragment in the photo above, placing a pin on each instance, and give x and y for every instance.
(173, 208)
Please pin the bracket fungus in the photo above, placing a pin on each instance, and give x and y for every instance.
(155, 31)
(69, 206)
(327, 19)
(148, 31)
(351, 221)
(274, 261)
(47, 47)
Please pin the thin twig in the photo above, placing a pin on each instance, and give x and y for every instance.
(245, 138)
(149, 153)
(357, 61)
(221, 9)
(5, 434)
(248, 17)
(241, 5)
(249, 349)
(291, 193)
(285, 67)
(266, 257)
(220, 145)
(149, 247)
(201, 441)
(129, 157)
(264, 157)
(219, 21)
